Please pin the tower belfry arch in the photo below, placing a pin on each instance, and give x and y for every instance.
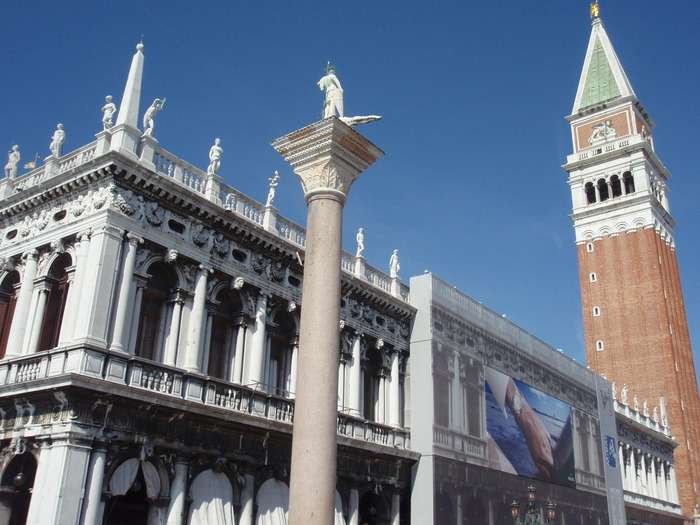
(636, 331)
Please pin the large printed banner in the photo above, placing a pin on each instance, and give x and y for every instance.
(530, 432)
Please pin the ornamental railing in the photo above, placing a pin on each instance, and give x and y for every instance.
(455, 441)
(651, 502)
(143, 375)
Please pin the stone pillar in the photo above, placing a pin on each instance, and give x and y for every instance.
(136, 315)
(42, 295)
(293, 369)
(456, 392)
(270, 219)
(178, 494)
(172, 340)
(60, 479)
(237, 372)
(247, 500)
(359, 268)
(327, 156)
(342, 402)
(354, 508)
(394, 392)
(258, 344)
(98, 285)
(212, 188)
(207, 344)
(673, 492)
(355, 377)
(92, 506)
(395, 509)
(623, 466)
(380, 416)
(24, 302)
(193, 352)
(459, 509)
(123, 305)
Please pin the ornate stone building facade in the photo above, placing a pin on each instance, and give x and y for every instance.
(636, 331)
(149, 323)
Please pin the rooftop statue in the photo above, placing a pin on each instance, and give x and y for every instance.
(215, 153)
(57, 140)
(108, 110)
(274, 181)
(150, 115)
(360, 238)
(394, 265)
(333, 102)
(624, 393)
(13, 157)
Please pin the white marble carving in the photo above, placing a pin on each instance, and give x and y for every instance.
(215, 153)
(273, 181)
(394, 265)
(150, 115)
(108, 111)
(57, 140)
(360, 239)
(602, 132)
(330, 85)
(13, 157)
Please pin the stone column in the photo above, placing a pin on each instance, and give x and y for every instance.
(207, 343)
(354, 508)
(327, 156)
(123, 305)
(456, 392)
(247, 500)
(237, 372)
(395, 509)
(92, 506)
(380, 416)
(193, 352)
(136, 315)
(24, 301)
(42, 295)
(623, 466)
(459, 509)
(355, 377)
(258, 344)
(178, 494)
(293, 369)
(170, 355)
(394, 392)
(673, 492)
(98, 285)
(74, 287)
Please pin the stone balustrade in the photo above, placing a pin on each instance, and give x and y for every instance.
(456, 441)
(600, 149)
(646, 420)
(653, 503)
(176, 383)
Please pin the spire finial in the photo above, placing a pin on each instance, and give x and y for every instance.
(595, 10)
(139, 46)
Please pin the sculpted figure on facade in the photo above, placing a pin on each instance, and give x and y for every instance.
(394, 265)
(108, 111)
(360, 239)
(602, 133)
(149, 123)
(273, 181)
(624, 393)
(13, 158)
(215, 153)
(57, 140)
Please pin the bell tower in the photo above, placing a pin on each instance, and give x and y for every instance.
(636, 331)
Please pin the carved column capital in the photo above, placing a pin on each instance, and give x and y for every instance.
(133, 239)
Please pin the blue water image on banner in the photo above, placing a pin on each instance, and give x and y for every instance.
(530, 432)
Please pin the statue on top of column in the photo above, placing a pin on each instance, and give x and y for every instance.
(333, 102)
(149, 117)
(274, 181)
(108, 111)
(215, 153)
(360, 239)
(13, 158)
(394, 265)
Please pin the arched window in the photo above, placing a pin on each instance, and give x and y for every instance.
(7, 307)
(616, 186)
(17, 483)
(154, 309)
(57, 289)
(223, 334)
(590, 193)
(599, 346)
(628, 181)
(603, 190)
(279, 366)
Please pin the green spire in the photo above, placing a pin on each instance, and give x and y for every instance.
(600, 83)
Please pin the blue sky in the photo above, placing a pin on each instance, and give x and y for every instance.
(473, 96)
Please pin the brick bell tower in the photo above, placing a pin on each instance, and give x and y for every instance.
(636, 332)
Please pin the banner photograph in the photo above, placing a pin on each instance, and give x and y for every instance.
(529, 432)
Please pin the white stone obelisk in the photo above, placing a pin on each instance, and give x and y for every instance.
(327, 156)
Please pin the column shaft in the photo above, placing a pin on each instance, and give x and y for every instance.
(293, 370)
(92, 506)
(74, 288)
(35, 330)
(313, 472)
(247, 497)
(123, 307)
(237, 376)
(136, 318)
(178, 494)
(170, 356)
(354, 508)
(258, 344)
(207, 345)
(355, 378)
(193, 352)
(24, 301)
(394, 393)
(395, 509)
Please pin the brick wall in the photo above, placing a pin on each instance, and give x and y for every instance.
(644, 331)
